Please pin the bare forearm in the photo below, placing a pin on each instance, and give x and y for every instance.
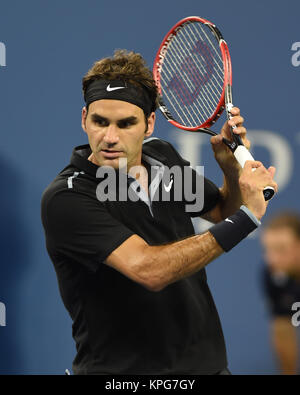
(231, 196)
(169, 263)
(155, 267)
(230, 200)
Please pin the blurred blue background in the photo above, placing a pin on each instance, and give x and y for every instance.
(49, 47)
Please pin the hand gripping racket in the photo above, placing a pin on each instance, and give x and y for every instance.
(192, 70)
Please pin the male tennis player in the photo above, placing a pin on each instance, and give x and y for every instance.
(131, 271)
(281, 284)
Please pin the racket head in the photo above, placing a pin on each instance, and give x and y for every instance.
(192, 70)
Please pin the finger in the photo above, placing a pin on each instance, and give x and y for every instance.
(252, 164)
(226, 131)
(215, 140)
(235, 111)
(246, 143)
(236, 121)
(266, 177)
(241, 131)
(272, 171)
(272, 184)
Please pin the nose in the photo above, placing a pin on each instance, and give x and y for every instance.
(111, 136)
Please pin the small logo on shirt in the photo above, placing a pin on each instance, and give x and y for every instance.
(168, 187)
(229, 220)
(109, 89)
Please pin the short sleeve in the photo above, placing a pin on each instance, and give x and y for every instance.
(81, 228)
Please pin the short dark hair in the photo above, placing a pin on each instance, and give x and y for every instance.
(126, 66)
(287, 219)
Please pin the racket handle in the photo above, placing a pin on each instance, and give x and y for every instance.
(242, 155)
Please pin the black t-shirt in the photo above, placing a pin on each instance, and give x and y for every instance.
(281, 290)
(119, 326)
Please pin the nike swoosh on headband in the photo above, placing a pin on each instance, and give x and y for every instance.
(109, 89)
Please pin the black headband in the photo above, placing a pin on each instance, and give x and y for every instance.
(119, 90)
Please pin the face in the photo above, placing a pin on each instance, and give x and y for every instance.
(116, 129)
(282, 250)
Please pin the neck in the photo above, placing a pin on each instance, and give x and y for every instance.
(138, 162)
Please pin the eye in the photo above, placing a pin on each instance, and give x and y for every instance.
(125, 124)
(101, 122)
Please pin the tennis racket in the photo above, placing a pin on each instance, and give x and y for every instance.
(192, 70)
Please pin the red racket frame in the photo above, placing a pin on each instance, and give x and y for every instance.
(158, 64)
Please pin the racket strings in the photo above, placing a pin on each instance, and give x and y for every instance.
(218, 58)
(205, 56)
(176, 103)
(192, 75)
(185, 69)
(197, 76)
(174, 69)
(215, 59)
(175, 100)
(179, 91)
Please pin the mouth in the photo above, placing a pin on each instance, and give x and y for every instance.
(110, 154)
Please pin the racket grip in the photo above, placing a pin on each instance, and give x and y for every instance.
(242, 154)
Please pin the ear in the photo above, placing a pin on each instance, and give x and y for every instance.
(151, 124)
(83, 118)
